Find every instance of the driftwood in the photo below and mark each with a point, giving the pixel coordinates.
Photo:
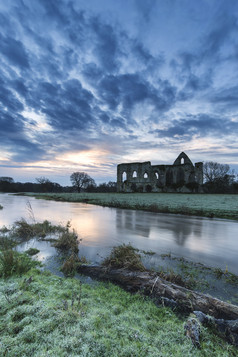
(162, 291)
(228, 329)
(206, 309)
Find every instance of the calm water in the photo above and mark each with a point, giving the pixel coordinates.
(213, 242)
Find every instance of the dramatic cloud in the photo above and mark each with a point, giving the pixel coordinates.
(89, 84)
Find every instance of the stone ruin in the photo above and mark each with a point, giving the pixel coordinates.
(182, 176)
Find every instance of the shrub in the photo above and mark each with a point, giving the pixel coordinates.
(67, 241)
(124, 256)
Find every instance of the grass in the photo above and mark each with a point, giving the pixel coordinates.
(126, 257)
(32, 251)
(25, 230)
(67, 242)
(196, 276)
(44, 315)
(4, 229)
(206, 205)
(69, 267)
(13, 262)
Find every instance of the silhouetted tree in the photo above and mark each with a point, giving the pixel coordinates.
(6, 179)
(6, 184)
(81, 180)
(213, 171)
(218, 178)
(46, 185)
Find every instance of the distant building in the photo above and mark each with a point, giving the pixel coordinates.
(182, 176)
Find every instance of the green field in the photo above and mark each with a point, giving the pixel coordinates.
(51, 316)
(206, 205)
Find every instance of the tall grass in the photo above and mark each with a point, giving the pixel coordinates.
(124, 256)
(25, 230)
(13, 262)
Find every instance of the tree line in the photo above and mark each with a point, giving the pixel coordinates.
(218, 178)
(81, 181)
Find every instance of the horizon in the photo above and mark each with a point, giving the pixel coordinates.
(87, 85)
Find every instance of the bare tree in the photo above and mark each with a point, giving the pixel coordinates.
(45, 184)
(81, 180)
(213, 171)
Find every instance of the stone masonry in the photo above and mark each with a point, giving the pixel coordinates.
(182, 176)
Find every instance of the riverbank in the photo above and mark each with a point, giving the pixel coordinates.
(42, 314)
(204, 205)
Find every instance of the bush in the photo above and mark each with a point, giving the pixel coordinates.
(124, 256)
(67, 241)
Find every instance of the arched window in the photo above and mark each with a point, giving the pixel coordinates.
(145, 175)
(124, 177)
(157, 175)
(182, 161)
(134, 174)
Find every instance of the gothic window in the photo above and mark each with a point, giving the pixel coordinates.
(145, 175)
(157, 175)
(182, 161)
(124, 177)
(134, 174)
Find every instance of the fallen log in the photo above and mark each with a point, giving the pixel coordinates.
(162, 291)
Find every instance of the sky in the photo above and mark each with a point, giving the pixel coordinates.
(88, 84)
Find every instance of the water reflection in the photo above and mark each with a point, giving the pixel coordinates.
(209, 241)
(140, 223)
(134, 221)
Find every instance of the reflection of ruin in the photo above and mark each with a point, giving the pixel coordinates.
(157, 226)
(182, 176)
(134, 221)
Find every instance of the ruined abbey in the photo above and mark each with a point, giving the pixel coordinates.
(182, 176)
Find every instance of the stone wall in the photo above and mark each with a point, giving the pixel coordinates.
(182, 176)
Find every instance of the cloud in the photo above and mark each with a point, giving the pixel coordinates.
(72, 77)
(14, 51)
(228, 96)
(200, 125)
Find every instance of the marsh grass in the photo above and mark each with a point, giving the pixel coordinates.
(25, 230)
(124, 256)
(70, 265)
(4, 229)
(68, 242)
(13, 262)
(176, 278)
(32, 251)
(228, 276)
(52, 316)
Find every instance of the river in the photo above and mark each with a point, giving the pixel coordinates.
(213, 242)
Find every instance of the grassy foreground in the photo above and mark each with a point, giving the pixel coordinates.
(44, 315)
(206, 205)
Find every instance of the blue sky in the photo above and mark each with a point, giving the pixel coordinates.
(85, 85)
